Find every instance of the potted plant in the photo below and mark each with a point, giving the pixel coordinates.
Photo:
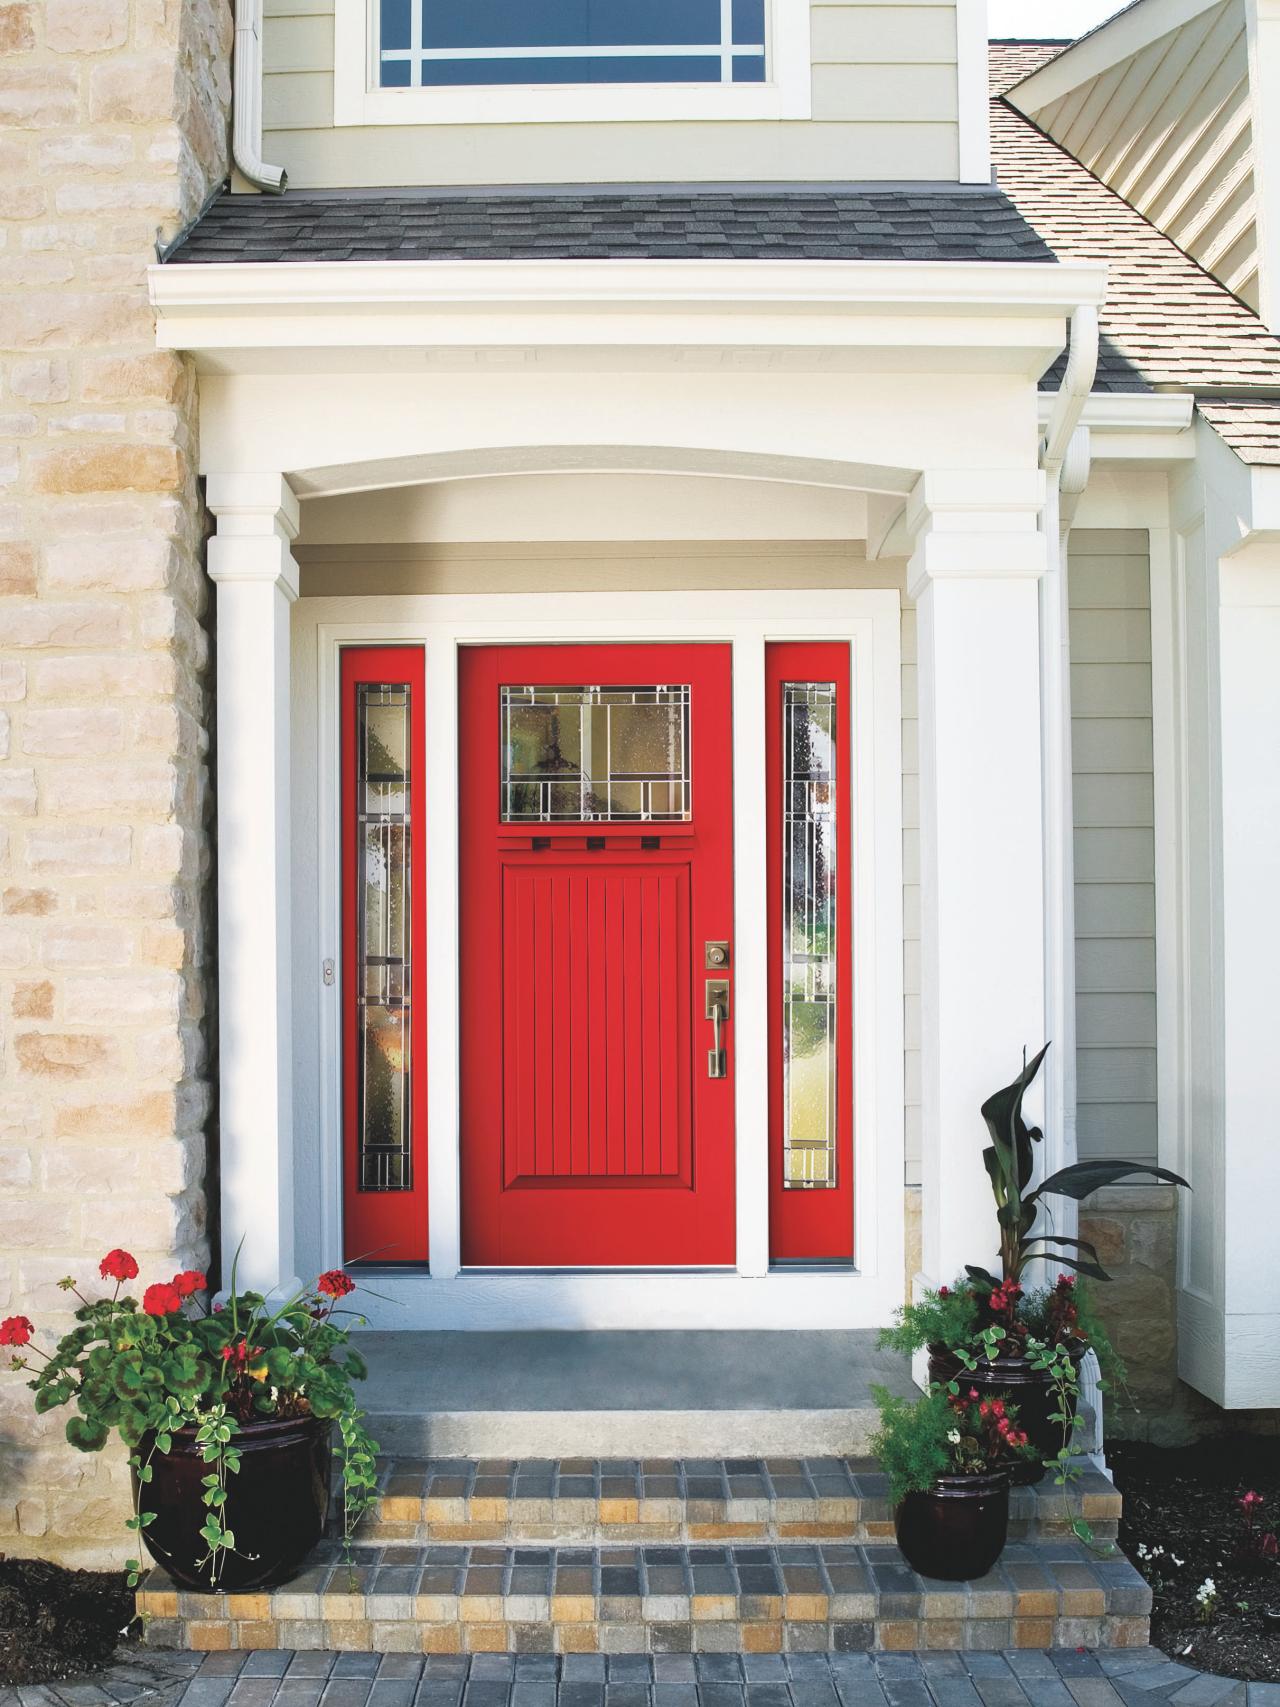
(948, 1458)
(999, 1336)
(227, 1413)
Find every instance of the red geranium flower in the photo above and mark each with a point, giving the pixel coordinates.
(162, 1299)
(189, 1281)
(117, 1265)
(16, 1330)
(335, 1284)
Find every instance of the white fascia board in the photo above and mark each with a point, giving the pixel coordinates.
(1110, 44)
(985, 286)
(337, 304)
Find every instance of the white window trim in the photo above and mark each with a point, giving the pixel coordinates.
(357, 99)
(750, 1295)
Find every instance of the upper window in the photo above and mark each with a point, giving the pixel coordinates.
(470, 43)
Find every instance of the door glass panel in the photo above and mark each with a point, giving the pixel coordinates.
(384, 978)
(595, 754)
(809, 934)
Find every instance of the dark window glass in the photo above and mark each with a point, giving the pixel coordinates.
(748, 22)
(461, 35)
(570, 23)
(395, 23)
(453, 73)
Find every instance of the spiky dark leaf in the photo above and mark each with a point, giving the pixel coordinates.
(1013, 1138)
(1081, 1178)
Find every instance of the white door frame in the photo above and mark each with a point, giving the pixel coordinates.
(748, 1295)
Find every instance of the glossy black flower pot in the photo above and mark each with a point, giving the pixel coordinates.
(958, 1530)
(1029, 1389)
(276, 1504)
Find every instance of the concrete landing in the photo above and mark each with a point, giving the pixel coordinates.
(688, 1394)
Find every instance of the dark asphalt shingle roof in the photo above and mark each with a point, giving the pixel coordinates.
(928, 223)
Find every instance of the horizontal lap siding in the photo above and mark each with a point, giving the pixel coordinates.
(1114, 842)
(884, 106)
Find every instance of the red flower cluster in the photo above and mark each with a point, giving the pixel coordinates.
(118, 1265)
(994, 1411)
(163, 1299)
(239, 1356)
(189, 1281)
(1066, 1281)
(335, 1284)
(1004, 1297)
(16, 1330)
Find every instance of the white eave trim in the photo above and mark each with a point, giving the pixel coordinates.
(369, 289)
(1112, 42)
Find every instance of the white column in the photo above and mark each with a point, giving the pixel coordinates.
(974, 575)
(257, 582)
(1244, 1178)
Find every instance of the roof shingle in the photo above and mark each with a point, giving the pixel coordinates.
(925, 223)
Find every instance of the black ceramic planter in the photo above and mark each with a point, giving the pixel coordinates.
(1014, 1379)
(276, 1504)
(957, 1531)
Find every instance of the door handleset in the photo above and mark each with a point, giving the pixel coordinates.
(717, 1011)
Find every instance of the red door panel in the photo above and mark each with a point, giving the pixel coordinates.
(809, 864)
(384, 940)
(592, 1134)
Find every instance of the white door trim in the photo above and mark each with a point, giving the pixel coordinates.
(750, 1295)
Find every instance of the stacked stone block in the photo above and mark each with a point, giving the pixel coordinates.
(113, 124)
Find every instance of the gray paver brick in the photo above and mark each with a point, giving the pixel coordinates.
(1205, 1691)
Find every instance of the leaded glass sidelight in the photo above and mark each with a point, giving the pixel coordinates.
(809, 934)
(595, 754)
(384, 977)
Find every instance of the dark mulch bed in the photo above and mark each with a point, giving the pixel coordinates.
(55, 1623)
(1185, 1500)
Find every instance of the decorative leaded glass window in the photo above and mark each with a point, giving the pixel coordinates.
(809, 934)
(595, 754)
(384, 937)
(450, 43)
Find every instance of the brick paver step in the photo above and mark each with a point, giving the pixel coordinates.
(690, 1500)
(787, 1597)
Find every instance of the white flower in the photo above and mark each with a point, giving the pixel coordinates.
(1207, 1590)
(954, 1437)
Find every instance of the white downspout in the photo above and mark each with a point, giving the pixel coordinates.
(1064, 457)
(246, 102)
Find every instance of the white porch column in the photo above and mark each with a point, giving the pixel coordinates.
(973, 573)
(257, 582)
(1242, 1177)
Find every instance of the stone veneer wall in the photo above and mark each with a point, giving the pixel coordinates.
(113, 127)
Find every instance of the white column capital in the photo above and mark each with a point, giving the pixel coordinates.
(975, 524)
(258, 520)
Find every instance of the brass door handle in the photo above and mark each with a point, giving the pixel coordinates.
(717, 1011)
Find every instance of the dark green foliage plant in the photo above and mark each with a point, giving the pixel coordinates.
(943, 1433)
(145, 1371)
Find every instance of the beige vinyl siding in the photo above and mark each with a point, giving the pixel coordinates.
(884, 106)
(1114, 842)
(1170, 129)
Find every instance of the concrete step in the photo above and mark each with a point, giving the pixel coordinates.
(593, 1500)
(741, 1598)
(676, 1394)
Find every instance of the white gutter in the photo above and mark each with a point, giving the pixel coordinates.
(1064, 457)
(246, 102)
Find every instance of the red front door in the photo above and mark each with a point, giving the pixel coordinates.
(596, 802)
